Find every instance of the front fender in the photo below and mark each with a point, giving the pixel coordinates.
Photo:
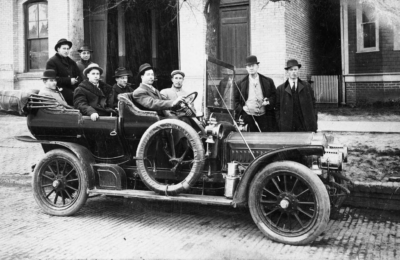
(82, 153)
(255, 166)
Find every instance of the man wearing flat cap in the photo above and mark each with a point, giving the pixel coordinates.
(295, 103)
(122, 85)
(85, 53)
(177, 78)
(93, 97)
(68, 74)
(148, 98)
(255, 99)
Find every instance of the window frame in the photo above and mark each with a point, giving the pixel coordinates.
(360, 32)
(27, 4)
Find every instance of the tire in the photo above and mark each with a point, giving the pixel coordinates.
(159, 137)
(60, 183)
(289, 203)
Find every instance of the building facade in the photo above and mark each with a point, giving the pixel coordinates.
(170, 36)
(371, 55)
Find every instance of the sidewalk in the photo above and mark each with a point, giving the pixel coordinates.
(359, 126)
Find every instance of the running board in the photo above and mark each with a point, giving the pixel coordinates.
(151, 195)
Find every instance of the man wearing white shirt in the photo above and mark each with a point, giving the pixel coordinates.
(295, 103)
(255, 99)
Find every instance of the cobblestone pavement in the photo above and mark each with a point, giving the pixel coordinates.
(16, 156)
(126, 228)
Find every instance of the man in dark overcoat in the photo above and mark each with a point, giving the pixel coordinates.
(122, 86)
(148, 98)
(68, 74)
(86, 58)
(255, 99)
(93, 97)
(295, 103)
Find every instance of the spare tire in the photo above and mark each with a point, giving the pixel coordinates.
(172, 145)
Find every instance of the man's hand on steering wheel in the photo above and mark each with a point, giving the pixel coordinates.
(178, 101)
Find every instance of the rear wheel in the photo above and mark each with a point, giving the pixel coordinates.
(289, 203)
(60, 183)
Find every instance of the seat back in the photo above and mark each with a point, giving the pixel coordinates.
(134, 120)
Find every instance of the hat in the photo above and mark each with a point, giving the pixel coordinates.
(85, 48)
(92, 66)
(251, 60)
(121, 71)
(292, 63)
(61, 42)
(144, 67)
(177, 72)
(49, 74)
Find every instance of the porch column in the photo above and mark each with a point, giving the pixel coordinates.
(345, 46)
(75, 27)
(121, 36)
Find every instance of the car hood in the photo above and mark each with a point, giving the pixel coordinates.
(264, 142)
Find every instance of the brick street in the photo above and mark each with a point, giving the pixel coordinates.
(125, 228)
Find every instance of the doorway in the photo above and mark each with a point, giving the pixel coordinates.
(234, 39)
(150, 31)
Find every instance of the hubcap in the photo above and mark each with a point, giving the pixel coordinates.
(56, 183)
(284, 204)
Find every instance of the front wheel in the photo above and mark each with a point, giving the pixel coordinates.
(289, 203)
(60, 183)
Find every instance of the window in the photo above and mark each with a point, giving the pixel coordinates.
(367, 29)
(37, 35)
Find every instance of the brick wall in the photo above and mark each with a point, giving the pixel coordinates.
(383, 61)
(268, 39)
(370, 92)
(300, 31)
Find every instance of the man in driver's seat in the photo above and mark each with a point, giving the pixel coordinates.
(148, 98)
(177, 78)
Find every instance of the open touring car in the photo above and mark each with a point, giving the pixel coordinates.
(290, 181)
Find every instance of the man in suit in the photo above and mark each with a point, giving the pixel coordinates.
(295, 103)
(68, 73)
(255, 99)
(148, 98)
(122, 86)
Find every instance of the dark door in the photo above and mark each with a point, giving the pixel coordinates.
(96, 30)
(234, 37)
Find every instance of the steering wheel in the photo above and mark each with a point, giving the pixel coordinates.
(188, 101)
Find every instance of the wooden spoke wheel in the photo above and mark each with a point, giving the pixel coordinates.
(289, 203)
(59, 183)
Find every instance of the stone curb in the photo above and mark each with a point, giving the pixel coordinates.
(374, 195)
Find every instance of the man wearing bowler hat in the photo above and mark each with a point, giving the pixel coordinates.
(86, 58)
(50, 88)
(147, 97)
(295, 103)
(255, 99)
(122, 85)
(68, 74)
